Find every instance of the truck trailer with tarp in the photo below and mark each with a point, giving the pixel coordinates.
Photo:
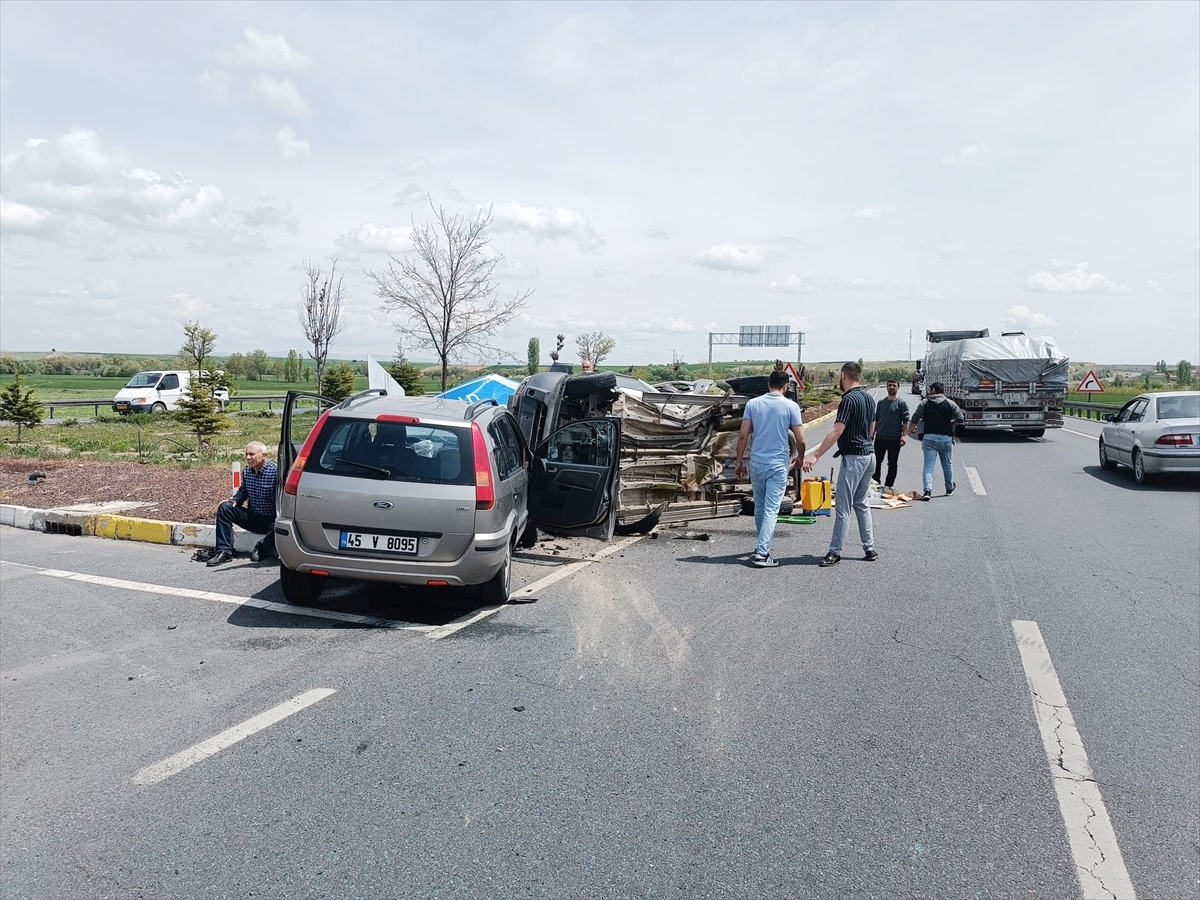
(1012, 382)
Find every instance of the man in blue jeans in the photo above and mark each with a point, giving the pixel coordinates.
(770, 417)
(940, 414)
(257, 492)
(852, 432)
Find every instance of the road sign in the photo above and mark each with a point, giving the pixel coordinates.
(792, 374)
(1090, 384)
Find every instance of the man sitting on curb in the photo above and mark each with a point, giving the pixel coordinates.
(257, 491)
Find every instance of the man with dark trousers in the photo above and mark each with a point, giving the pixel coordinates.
(257, 492)
(891, 421)
(852, 432)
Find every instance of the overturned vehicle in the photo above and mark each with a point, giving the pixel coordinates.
(677, 449)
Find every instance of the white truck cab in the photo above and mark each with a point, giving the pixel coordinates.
(157, 392)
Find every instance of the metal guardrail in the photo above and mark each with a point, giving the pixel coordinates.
(1085, 410)
(270, 400)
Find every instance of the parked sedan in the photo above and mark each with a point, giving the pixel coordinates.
(1154, 433)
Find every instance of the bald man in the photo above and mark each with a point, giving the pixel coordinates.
(251, 507)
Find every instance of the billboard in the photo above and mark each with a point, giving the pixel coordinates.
(765, 336)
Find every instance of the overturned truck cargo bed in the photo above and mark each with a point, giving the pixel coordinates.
(677, 449)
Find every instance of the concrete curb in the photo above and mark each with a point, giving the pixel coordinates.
(820, 420)
(121, 528)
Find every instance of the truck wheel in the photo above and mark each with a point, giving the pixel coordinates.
(300, 588)
(588, 383)
(158, 408)
(496, 591)
(1140, 475)
(1105, 462)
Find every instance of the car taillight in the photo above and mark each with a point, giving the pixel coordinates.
(1175, 440)
(485, 486)
(293, 478)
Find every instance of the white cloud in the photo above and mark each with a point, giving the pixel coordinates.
(17, 218)
(601, 272)
(265, 51)
(661, 325)
(410, 195)
(415, 166)
(970, 155)
(657, 234)
(1023, 315)
(620, 288)
(144, 250)
(813, 284)
(75, 186)
(546, 223)
(507, 268)
(874, 211)
(731, 258)
(1154, 287)
(290, 146)
(279, 93)
(372, 238)
(944, 249)
(1071, 281)
(800, 323)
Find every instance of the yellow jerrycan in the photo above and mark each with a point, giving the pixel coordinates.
(816, 496)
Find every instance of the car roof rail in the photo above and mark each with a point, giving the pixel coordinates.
(479, 405)
(345, 404)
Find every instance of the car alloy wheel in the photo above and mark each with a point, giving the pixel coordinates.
(1139, 467)
(496, 591)
(1105, 462)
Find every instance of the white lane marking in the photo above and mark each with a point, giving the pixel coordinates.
(271, 605)
(976, 481)
(441, 631)
(1081, 434)
(173, 765)
(1098, 862)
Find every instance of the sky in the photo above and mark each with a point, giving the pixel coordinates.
(656, 171)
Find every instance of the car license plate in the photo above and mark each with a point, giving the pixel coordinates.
(1014, 415)
(122, 406)
(388, 543)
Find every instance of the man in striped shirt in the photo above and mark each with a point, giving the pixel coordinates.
(852, 432)
(257, 492)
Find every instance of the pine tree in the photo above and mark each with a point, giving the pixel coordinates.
(199, 408)
(19, 407)
(338, 381)
(533, 357)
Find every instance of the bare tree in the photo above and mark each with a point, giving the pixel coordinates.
(445, 292)
(320, 312)
(594, 346)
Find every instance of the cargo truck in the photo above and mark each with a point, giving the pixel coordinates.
(1012, 382)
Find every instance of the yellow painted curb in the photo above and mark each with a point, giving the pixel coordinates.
(124, 528)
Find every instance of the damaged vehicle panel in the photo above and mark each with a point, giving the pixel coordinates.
(677, 450)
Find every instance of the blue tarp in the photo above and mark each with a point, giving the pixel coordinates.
(495, 387)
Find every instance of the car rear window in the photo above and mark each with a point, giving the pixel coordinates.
(394, 451)
(1179, 407)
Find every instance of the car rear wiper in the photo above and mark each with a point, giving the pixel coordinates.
(378, 470)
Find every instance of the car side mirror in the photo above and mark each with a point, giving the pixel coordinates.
(1109, 417)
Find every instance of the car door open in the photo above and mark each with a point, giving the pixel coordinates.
(572, 479)
(300, 413)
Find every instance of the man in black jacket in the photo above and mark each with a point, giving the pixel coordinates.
(940, 414)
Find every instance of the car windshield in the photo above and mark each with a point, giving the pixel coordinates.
(394, 451)
(1186, 407)
(633, 384)
(144, 380)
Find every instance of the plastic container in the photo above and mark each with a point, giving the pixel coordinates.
(816, 496)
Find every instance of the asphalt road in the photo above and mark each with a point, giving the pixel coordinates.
(665, 722)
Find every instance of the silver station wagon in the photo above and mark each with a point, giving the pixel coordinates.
(425, 491)
(1154, 433)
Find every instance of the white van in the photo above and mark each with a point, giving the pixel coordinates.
(157, 392)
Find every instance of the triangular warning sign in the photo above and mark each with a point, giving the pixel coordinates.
(1090, 384)
(792, 374)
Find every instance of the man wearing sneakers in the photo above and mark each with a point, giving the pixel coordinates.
(770, 417)
(852, 432)
(940, 414)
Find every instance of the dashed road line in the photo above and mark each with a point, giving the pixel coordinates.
(1098, 861)
(976, 481)
(1081, 434)
(441, 631)
(272, 606)
(173, 765)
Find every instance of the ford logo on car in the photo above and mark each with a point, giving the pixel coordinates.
(382, 504)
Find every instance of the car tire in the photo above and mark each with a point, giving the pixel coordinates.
(158, 408)
(1106, 463)
(750, 385)
(300, 588)
(528, 537)
(1140, 475)
(786, 506)
(496, 591)
(589, 383)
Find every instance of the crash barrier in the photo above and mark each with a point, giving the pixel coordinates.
(1085, 410)
(107, 404)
